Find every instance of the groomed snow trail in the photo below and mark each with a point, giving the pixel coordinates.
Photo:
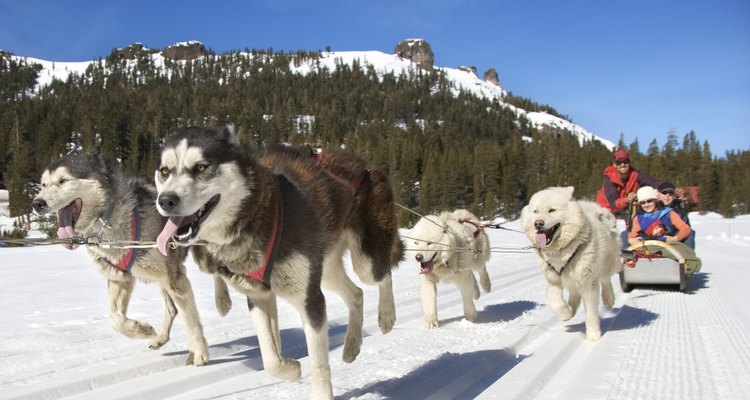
(657, 343)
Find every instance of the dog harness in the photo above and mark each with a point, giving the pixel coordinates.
(479, 229)
(356, 183)
(263, 273)
(562, 268)
(126, 262)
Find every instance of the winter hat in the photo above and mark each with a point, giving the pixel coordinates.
(666, 186)
(621, 154)
(646, 193)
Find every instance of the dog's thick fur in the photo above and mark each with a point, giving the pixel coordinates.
(94, 199)
(209, 173)
(577, 247)
(450, 247)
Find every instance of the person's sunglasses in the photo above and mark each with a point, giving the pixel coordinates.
(621, 162)
(647, 201)
(668, 193)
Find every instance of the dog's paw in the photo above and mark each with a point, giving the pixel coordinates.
(386, 320)
(350, 355)
(609, 303)
(140, 330)
(158, 341)
(593, 334)
(352, 346)
(198, 357)
(431, 323)
(223, 305)
(566, 313)
(471, 317)
(288, 370)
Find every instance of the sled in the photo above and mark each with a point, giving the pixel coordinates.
(652, 262)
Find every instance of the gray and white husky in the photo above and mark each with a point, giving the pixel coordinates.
(93, 198)
(278, 227)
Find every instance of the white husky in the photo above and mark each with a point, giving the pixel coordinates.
(450, 247)
(577, 247)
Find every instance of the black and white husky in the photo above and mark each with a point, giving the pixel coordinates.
(93, 198)
(279, 227)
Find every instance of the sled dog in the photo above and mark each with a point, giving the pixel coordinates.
(577, 247)
(93, 199)
(277, 227)
(450, 247)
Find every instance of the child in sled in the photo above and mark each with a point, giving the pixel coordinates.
(653, 221)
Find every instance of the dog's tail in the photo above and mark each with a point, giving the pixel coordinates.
(382, 211)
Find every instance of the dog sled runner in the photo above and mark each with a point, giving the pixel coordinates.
(652, 262)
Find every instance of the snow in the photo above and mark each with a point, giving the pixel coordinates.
(55, 340)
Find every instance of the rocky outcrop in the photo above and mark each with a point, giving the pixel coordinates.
(418, 51)
(470, 69)
(491, 76)
(185, 51)
(133, 52)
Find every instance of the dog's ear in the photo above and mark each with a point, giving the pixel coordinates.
(447, 254)
(569, 190)
(227, 131)
(457, 238)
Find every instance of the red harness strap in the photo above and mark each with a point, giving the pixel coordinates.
(269, 255)
(356, 183)
(127, 261)
(479, 229)
(638, 254)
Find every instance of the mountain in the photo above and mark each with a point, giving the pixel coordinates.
(410, 56)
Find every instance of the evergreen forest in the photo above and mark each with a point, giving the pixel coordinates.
(442, 150)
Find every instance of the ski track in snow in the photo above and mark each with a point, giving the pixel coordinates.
(654, 345)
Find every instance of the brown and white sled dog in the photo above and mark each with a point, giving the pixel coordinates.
(93, 198)
(450, 247)
(278, 228)
(577, 247)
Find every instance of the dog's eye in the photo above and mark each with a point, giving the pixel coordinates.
(164, 171)
(63, 180)
(552, 210)
(201, 167)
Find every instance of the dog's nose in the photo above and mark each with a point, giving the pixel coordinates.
(40, 206)
(419, 257)
(538, 224)
(169, 201)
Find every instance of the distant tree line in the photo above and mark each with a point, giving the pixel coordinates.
(441, 150)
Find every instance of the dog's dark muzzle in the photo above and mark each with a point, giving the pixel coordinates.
(40, 206)
(169, 202)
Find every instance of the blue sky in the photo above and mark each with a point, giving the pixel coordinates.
(637, 68)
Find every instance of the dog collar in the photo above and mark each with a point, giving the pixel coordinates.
(126, 262)
(263, 273)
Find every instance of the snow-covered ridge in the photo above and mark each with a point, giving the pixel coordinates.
(382, 63)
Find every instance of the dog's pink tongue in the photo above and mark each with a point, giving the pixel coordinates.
(541, 239)
(66, 233)
(427, 267)
(170, 228)
(65, 226)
